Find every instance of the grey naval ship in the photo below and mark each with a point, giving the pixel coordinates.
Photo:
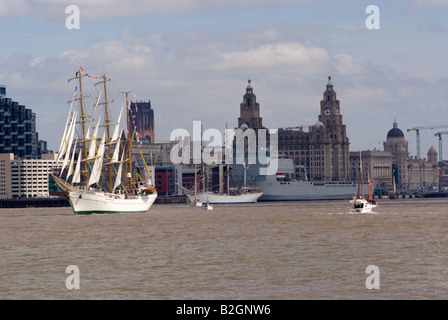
(283, 186)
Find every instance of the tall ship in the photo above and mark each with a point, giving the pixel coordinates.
(95, 155)
(243, 194)
(234, 196)
(240, 194)
(282, 186)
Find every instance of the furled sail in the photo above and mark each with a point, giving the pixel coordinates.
(69, 141)
(77, 174)
(70, 168)
(95, 175)
(63, 145)
(92, 148)
(115, 138)
(118, 178)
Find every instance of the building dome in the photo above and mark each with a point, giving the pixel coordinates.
(319, 124)
(395, 132)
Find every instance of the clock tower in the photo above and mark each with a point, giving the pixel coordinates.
(330, 114)
(336, 143)
(250, 110)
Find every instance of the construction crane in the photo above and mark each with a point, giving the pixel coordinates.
(439, 134)
(417, 131)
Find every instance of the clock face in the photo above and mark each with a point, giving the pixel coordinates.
(327, 112)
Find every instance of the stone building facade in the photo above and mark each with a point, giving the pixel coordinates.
(324, 148)
(410, 173)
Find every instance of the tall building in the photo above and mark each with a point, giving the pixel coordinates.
(142, 116)
(17, 129)
(25, 178)
(324, 149)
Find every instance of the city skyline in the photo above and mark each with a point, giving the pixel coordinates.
(192, 60)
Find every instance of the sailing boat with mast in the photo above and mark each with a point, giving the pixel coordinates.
(232, 195)
(360, 203)
(393, 195)
(96, 184)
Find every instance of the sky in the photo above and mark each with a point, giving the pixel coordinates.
(192, 59)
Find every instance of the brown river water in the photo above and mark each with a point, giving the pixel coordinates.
(266, 250)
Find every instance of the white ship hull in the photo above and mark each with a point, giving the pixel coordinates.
(362, 206)
(216, 198)
(89, 202)
(366, 209)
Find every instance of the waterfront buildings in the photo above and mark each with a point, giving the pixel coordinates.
(395, 165)
(18, 129)
(376, 165)
(142, 116)
(410, 173)
(323, 149)
(25, 178)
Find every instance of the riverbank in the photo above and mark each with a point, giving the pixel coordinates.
(34, 202)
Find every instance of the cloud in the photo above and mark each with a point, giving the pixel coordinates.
(433, 28)
(345, 66)
(201, 75)
(287, 55)
(14, 8)
(54, 10)
(429, 4)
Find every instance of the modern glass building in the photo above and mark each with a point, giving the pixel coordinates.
(17, 129)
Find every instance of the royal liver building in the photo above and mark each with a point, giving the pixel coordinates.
(324, 149)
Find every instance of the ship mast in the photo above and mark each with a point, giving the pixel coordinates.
(79, 75)
(129, 142)
(106, 109)
(360, 166)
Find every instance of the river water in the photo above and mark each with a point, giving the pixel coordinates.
(266, 250)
